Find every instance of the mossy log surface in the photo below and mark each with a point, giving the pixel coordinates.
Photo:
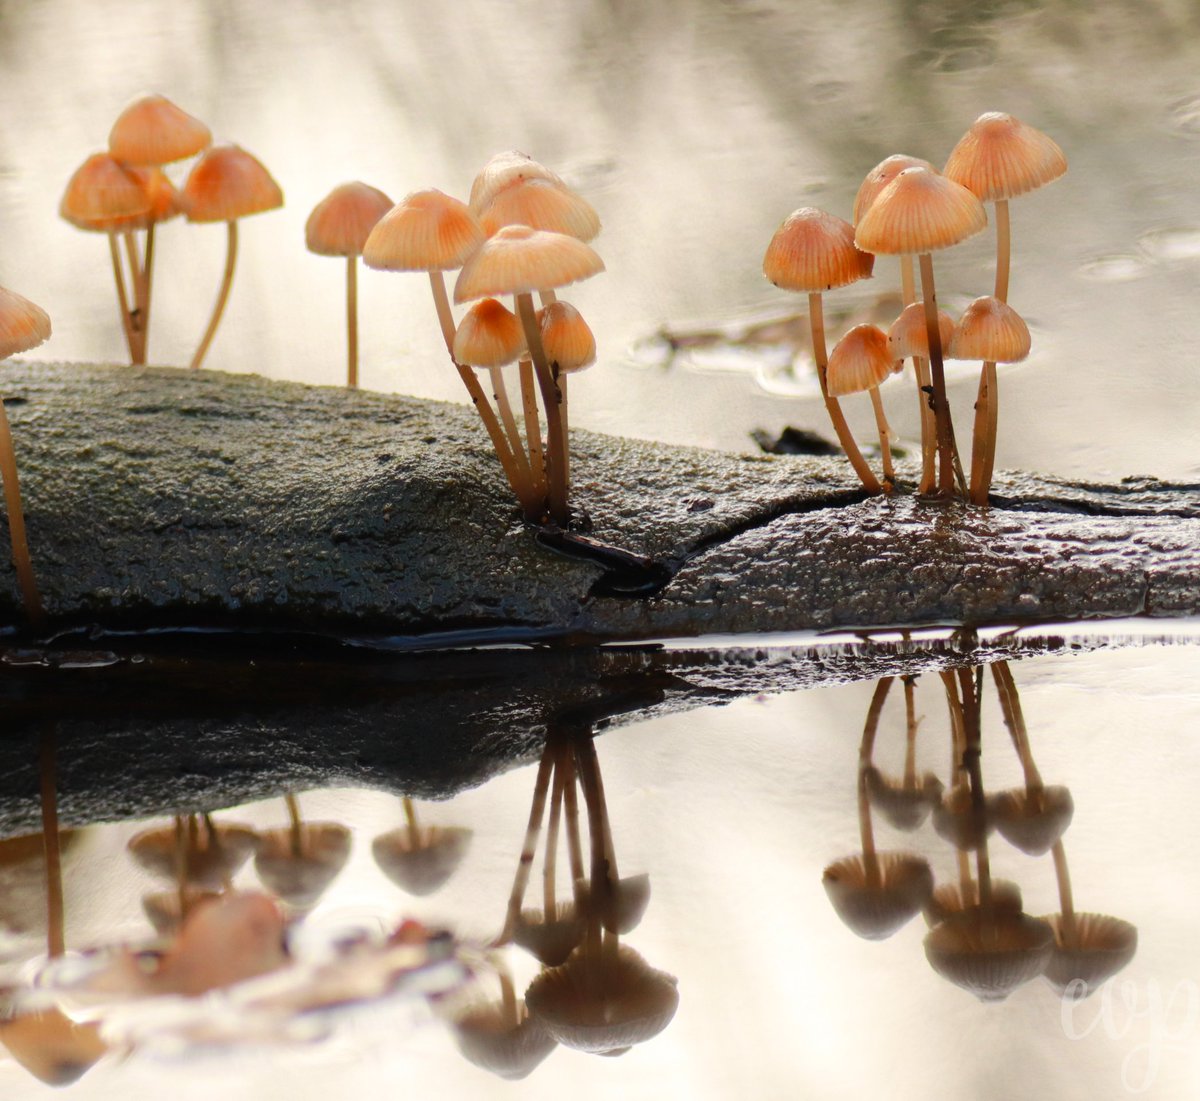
(159, 497)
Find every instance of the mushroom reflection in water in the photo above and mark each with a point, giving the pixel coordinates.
(502, 1037)
(907, 800)
(988, 949)
(1088, 948)
(1034, 819)
(51, 1046)
(959, 817)
(298, 863)
(420, 859)
(874, 893)
(605, 998)
(194, 851)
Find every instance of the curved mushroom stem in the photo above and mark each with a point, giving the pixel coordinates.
(550, 853)
(530, 507)
(816, 322)
(22, 563)
(137, 319)
(52, 847)
(941, 407)
(500, 394)
(510, 1011)
(908, 295)
(1066, 901)
(885, 440)
(865, 749)
(1014, 719)
(557, 495)
(528, 849)
(867, 746)
(910, 734)
(352, 322)
(122, 296)
(222, 297)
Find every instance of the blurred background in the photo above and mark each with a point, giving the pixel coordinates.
(694, 127)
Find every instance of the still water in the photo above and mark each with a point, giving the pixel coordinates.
(694, 128)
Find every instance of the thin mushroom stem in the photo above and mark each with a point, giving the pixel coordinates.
(22, 563)
(181, 866)
(557, 495)
(137, 318)
(561, 379)
(296, 823)
(528, 849)
(352, 322)
(1066, 900)
(885, 438)
(122, 295)
(816, 322)
(529, 506)
(571, 806)
(867, 746)
(550, 853)
(410, 821)
(1014, 719)
(865, 749)
(1003, 249)
(910, 734)
(533, 429)
(147, 282)
(52, 847)
(908, 295)
(500, 394)
(222, 296)
(941, 407)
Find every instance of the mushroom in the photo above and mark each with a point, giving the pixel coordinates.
(905, 802)
(298, 863)
(194, 852)
(518, 260)
(226, 184)
(540, 203)
(103, 196)
(570, 346)
(920, 212)
(432, 232)
(22, 326)
(999, 158)
(52, 1047)
(874, 182)
(420, 859)
(339, 225)
(964, 815)
(862, 360)
(991, 331)
(501, 1037)
(814, 252)
(501, 171)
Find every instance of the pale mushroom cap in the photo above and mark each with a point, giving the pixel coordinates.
(421, 869)
(990, 959)
(566, 337)
(905, 807)
(425, 231)
(551, 939)
(541, 204)
(102, 195)
(882, 175)
(859, 361)
(1001, 157)
(51, 1046)
(1101, 946)
(489, 335)
(340, 223)
(503, 169)
(990, 330)
(209, 862)
(520, 260)
(949, 900)
(813, 251)
(301, 879)
(23, 325)
(605, 1004)
(875, 908)
(163, 197)
(228, 183)
(909, 335)
(152, 130)
(956, 820)
(920, 211)
(488, 1039)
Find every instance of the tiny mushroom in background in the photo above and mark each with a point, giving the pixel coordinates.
(917, 213)
(813, 252)
(339, 225)
(226, 184)
(419, 859)
(298, 862)
(22, 326)
(905, 801)
(518, 260)
(862, 360)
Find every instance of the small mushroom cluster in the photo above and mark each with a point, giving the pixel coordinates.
(979, 938)
(906, 208)
(523, 232)
(125, 193)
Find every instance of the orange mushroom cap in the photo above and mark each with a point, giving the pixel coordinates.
(882, 175)
(920, 211)
(814, 251)
(228, 183)
(23, 325)
(162, 195)
(504, 169)
(1001, 157)
(489, 335)
(519, 260)
(152, 130)
(103, 195)
(909, 335)
(859, 361)
(990, 330)
(340, 223)
(541, 204)
(425, 231)
(566, 337)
